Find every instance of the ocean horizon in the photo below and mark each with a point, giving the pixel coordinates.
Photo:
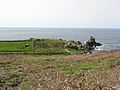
(109, 37)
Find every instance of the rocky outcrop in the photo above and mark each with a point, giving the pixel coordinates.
(91, 44)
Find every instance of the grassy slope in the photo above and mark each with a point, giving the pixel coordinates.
(49, 45)
(75, 72)
(15, 46)
(43, 46)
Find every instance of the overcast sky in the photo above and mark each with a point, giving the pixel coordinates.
(60, 13)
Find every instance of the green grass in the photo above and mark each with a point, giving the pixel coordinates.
(40, 46)
(13, 79)
(15, 46)
(52, 46)
(74, 67)
(49, 45)
(73, 51)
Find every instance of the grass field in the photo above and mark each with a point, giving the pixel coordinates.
(49, 45)
(40, 46)
(98, 71)
(15, 46)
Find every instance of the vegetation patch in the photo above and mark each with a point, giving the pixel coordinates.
(49, 45)
(37, 46)
(11, 81)
(15, 46)
(74, 67)
(60, 72)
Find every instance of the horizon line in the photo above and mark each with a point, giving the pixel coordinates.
(64, 27)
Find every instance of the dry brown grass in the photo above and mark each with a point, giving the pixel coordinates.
(29, 72)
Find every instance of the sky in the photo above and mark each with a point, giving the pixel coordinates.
(60, 13)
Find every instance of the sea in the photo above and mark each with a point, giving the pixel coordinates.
(109, 37)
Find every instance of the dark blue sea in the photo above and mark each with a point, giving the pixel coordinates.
(109, 37)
